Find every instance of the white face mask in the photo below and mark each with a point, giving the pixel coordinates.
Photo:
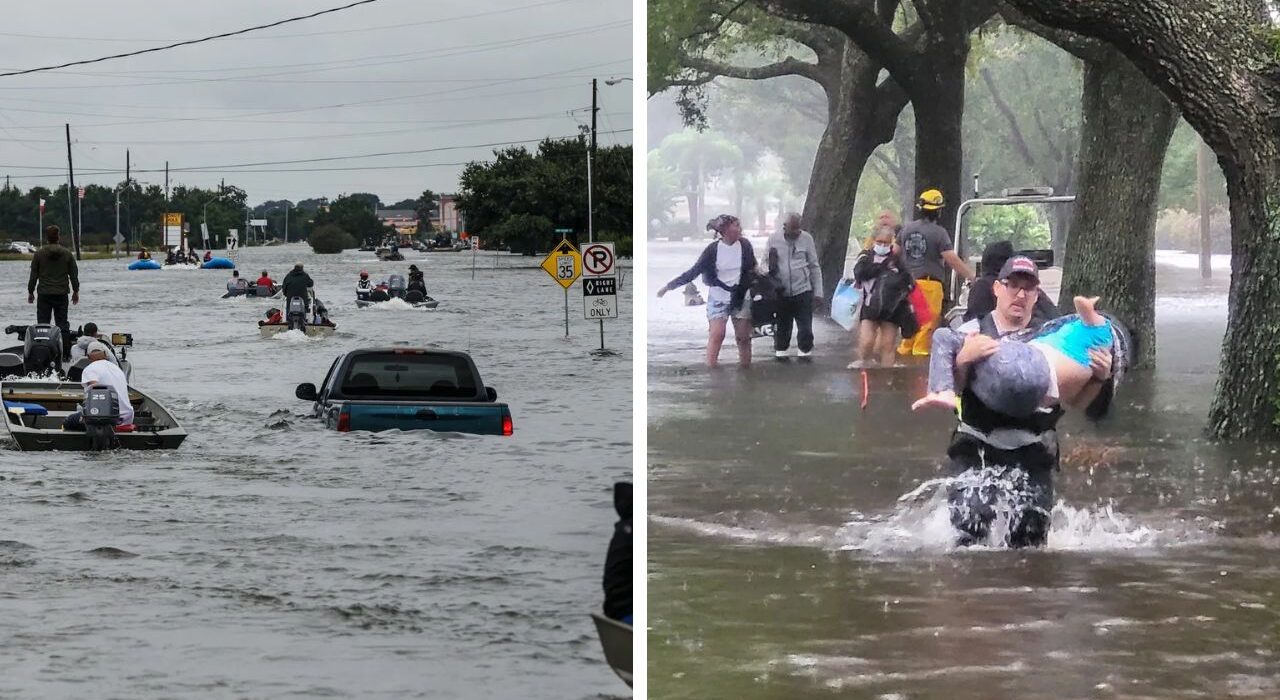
(881, 249)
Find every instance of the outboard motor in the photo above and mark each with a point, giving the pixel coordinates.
(42, 349)
(297, 314)
(100, 414)
(395, 286)
(76, 371)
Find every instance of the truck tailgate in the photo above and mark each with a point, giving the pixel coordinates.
(462, 417)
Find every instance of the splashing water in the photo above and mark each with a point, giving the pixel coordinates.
(921, 523)
(295, 336)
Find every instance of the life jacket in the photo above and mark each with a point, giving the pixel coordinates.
(265, 282)
(999, 431)
(364, 285)
(277, 317)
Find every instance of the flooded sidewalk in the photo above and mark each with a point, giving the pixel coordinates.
(799, 546)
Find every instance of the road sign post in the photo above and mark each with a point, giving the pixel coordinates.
(564, 264)
(599, 284)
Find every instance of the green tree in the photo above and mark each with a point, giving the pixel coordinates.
(352, 214)
(329, 239)
(697, 157)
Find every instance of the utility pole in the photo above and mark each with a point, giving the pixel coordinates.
(286, 220)
(128, 244)
(1202, 200)
(71, 178)
(591, 151)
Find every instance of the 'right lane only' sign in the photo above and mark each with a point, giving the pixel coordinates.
(599, 282)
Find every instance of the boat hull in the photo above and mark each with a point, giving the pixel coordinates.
(274, 329)
(616, 640)
(34, 432)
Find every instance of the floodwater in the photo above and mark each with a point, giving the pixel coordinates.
(270, 558)
(799, 547)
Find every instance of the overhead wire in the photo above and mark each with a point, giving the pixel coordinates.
(188, 42)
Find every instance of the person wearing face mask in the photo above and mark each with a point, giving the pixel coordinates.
(793, 264)
(885, 284)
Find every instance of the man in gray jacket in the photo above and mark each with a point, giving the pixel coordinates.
(793, 264)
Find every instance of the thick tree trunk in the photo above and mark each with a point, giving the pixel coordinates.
(860, 117)
(1209, 59)
(1125, 132)
(939, 117)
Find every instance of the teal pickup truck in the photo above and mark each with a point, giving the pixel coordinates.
(407, 389)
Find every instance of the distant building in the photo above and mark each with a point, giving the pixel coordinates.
(450, 216)
(404, 221)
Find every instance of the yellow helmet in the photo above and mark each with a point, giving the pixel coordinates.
(931, 200)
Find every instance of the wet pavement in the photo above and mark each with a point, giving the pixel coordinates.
(270, 558)
(800, 547)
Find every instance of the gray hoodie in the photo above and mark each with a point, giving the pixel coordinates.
(795, 264)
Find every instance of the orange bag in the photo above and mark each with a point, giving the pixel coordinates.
(920, 306)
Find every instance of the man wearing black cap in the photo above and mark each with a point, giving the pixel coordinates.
(1003, 465)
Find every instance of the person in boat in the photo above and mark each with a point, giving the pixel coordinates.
(298, 284)
(102, 372)
(89, 334)
(237, 284)
(192, 258)
(1002, 461)
(274, 317)
(416, 280)
(364, 285)
(171, 257)
(266, 281)
(320, 315)
(54, 276)
(617, 563)
(144, 254)
(208, 255)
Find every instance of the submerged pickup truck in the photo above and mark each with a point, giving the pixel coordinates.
(407, 389)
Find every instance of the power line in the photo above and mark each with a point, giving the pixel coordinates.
(446, 124)
(433, 22)
(188, 42)
(232, 168)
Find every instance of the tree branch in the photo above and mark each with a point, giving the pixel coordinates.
(1049, 139)
(788, 66)
(724, 17)
(1081, 47)
(1020, 143)
(859, 21)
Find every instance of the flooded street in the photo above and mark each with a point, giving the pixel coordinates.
(800, 547)
(270, 558)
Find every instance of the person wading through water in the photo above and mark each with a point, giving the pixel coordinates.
(926, 247)
(728, 267)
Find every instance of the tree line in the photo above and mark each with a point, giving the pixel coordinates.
(142, 209)
(517, 200)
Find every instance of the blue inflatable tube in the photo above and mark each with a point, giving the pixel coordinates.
(144, 265)
(218, 264)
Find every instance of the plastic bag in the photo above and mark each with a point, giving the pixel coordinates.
(920, 306)
(845, 304)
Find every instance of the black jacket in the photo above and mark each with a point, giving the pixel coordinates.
(617, 564)
(706, 266)
(887, 300)
(296, 284)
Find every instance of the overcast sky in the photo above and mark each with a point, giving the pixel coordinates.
(394, 75)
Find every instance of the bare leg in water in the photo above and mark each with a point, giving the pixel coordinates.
(888, 343)
(715, 338)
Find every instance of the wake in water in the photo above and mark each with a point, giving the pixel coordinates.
(921, 523)
(295, 336)
(396, 304)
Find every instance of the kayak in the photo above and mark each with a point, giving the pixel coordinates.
(144, 265)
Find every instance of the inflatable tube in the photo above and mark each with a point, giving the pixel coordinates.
(144, 265)
(218, 264)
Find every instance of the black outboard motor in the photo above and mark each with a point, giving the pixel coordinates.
(42, 349)
(395, 286)
(101, 413)
(297, 314)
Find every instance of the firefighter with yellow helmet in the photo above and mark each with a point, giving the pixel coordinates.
(925, 247)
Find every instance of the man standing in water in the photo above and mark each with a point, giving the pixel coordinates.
(925, 247)
(793, 262)
(54, 269)
(999, 461)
